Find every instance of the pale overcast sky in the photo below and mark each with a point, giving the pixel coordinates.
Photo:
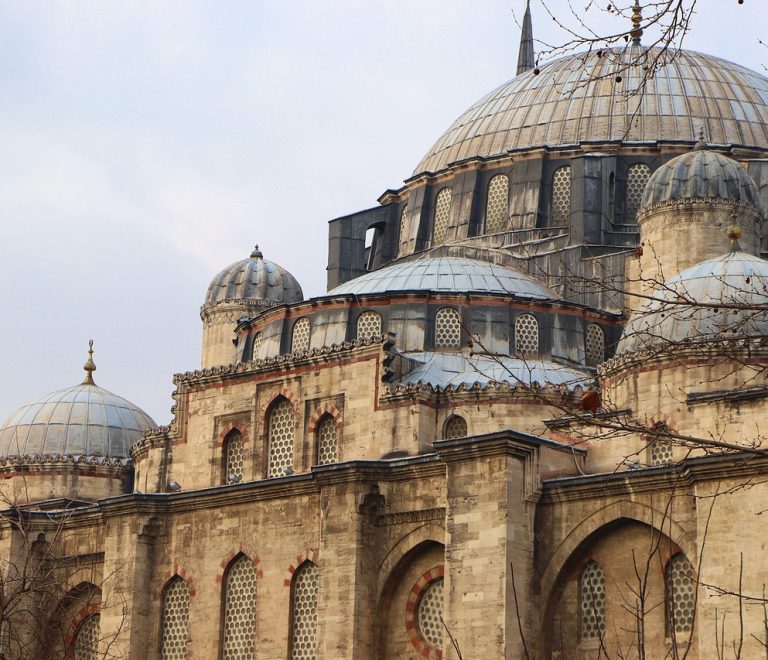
(146, 144)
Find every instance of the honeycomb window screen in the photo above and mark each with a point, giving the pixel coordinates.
(428, 612)
(637, 176)
(497, 205)
(282, 422)
(87, 640)
(661, 452)
(592, 596)
(447, 328)
(234, 450)
(302, 331)
(681, 595)
(595, 344)
(442, 216)
(368, 325)
(455, 427)
(175, 622)
(327, 441)
(239, 610)
(403, 236)
(304, 615)
(256, 346)
(561, 197)
(527, 335)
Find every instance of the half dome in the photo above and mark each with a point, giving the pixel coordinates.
(579, 99)
(447, 275)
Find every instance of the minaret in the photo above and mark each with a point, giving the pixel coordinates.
(525, 58)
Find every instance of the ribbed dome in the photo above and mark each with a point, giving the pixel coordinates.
(254, 278)
(724, 297)
(447, 274)
(84, 420)
(701, 173)
(578, 99)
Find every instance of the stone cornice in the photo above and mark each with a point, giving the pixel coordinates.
(59, 460)
(726, 205)
(509, 443)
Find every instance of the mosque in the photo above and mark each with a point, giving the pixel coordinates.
(525, 420)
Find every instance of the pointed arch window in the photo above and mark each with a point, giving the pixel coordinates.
(326, 433)
(447, 328)
(304, 588)
(429, 611)
(561, 197)
(302, 332)
(681, 595)
(637, 176)
(87, 638)
(282, 422)
(455, 427)
(175, 621)
(256, 346)
(527, 335)
(595, 344)
(442, 216)
(403, 235)
(234, 457)
(592, 597)
(497, 204)
(368, 325)
(239, 633)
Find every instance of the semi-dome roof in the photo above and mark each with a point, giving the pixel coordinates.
(724, 297)
(578, 99)
(449, 275)
(254, 278)
(701, 173)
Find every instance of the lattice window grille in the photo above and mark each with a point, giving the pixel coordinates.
(447, 328)
(595, 345)
(561, 197)
(281, 430)
(235, 449)
(300, 336)
(592, 601)
(368, 325)
(456, 427)
(681, 594)
(256, 346)
(175, 620)
(637, 176)
(240, 611)
(527, 335)
(442, 215)
(428, 613)
(661, 452)
(304, 627)
(403, 237)
(327, 441)
(497, 206)
(87, 640)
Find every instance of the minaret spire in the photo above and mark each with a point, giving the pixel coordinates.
(525, 58)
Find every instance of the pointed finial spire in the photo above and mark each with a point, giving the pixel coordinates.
(637, 20)
(256, 254)
(734, 231)
(525, 58)
(701, 143)
(89, 366)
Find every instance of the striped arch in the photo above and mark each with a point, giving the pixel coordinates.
(277, 393)
(306, 555)
(238, 425)
(242, 550)
(183, 574)
(327, 409)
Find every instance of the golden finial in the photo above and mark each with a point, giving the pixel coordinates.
(734, 231)
(637, 20)
(89, 366)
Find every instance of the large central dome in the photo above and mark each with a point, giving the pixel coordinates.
(580, 99)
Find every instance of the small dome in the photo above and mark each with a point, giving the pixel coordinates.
(254, 278)
(449, 275)
(699, 174)
(721, 298)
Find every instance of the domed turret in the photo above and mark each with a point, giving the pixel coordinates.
(244, 288)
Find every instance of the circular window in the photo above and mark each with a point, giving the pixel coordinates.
(423, 615)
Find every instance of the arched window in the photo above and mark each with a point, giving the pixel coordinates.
(234, 455)
(87, 638)
(239, 634)
(368, 325)
(300, 337)
(175, 621)
(455, 427)
(527, 335)
(595, 344)
(306, 581)
(326, 434)
(282, 421)
(256, 346)
(429, 611)
(403, 235)
(637, 176)
(561, 197)
(681, 595)
(592, 597)
(497, 205)
(442, 216)
(447, 328)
